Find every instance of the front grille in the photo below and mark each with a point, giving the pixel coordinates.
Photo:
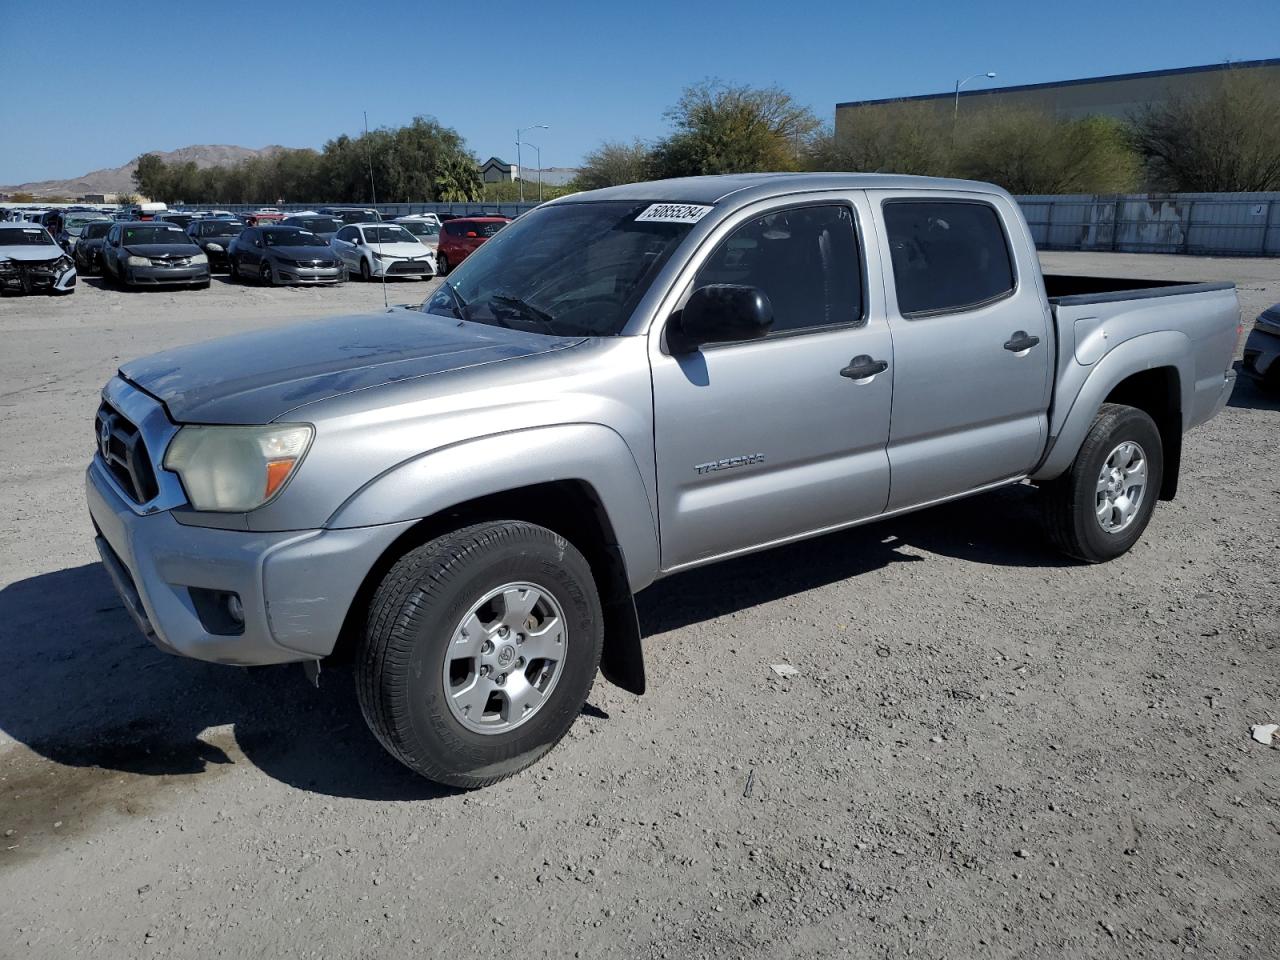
(408, 266)
(124, 454)
(30, 274)
(171, 262)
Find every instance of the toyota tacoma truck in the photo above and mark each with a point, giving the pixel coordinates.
(623, 384)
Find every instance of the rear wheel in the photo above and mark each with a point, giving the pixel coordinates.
(232, 270)
(1099, 508)
(442, 264)
(479, 651)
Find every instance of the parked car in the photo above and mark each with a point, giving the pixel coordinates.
(382, 250)
(178, 219)
(87, 251)
(319, 224)
(153, 253)
(214, 235)
(73, 225)
(628, 383)
(353, 214)
(461, 237)
(263, 218)
(427, 231)
(31, 262)
(146, 211)
(281, 255)
(1262, 349)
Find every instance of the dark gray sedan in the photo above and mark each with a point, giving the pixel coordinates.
(88, 249)
(277, 254)
(321, 226)
(151, 253)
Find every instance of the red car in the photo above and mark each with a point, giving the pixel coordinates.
(460, 237)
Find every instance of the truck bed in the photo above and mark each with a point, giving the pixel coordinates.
(1069, 290)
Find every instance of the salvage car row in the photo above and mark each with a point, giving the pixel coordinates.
(175, 248)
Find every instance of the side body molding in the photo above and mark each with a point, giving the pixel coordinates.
(444, 477)
(1081, 390)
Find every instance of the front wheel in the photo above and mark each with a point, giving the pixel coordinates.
(1098, 509)
(233, 271)
(266, 276)
(365, 273)
(479, 651)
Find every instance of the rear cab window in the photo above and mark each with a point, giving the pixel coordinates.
(948, 255)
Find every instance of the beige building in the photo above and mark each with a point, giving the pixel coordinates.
(1119, 96)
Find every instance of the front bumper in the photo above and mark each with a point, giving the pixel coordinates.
(164, 276)
(295, 587)
(37, 278)
(404, 268)
(1262, 355)
(286, 273)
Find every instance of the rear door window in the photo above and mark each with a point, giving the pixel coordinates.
(948, 255)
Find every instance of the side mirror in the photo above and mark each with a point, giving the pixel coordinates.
(722, 313)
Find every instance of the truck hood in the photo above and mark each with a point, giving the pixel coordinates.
(259, 377)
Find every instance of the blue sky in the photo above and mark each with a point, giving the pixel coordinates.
(92, 84)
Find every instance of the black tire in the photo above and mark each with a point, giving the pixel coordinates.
(266, 276)
(366, 274)
(233, 271)
(442, 265)
(411, 622)
(1070, 501)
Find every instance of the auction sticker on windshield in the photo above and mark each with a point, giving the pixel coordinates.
(673, 213)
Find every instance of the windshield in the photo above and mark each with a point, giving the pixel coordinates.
(421, 228)
(572, 269)
(181, 219)
(75, 224)
(289, 237)
(358, 216)
(24, 237)
(318, 224)
(92, 231)
(373, 235)
(221, 228)
(485, 229)
(160, 233)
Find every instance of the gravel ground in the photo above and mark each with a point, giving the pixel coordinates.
(986, 751)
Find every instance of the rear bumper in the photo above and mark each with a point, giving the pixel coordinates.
(295, 587)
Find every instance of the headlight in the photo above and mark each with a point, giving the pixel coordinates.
(235, 469)
(377, 255)
(216, 247)
(200, 258)
(138, 261)
(8, 266)
(62, 263)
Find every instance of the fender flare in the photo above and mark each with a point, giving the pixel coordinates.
(1165, 348)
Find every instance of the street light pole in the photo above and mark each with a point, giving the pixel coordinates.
(519, 133)
(990, 75)
(538, 150)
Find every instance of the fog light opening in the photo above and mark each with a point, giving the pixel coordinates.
(235, 609)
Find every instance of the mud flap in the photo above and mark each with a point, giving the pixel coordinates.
(622, 661)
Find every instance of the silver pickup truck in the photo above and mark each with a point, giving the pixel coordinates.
(621, 385)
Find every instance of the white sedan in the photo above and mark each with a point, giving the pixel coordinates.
(30, 261)
(382, 250)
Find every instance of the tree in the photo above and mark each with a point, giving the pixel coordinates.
(733, 128)
(912, 138)
(1222, 140)
(151, 175)
(613, 163)
(1028, 151)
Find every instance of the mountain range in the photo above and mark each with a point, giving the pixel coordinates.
(120, 179)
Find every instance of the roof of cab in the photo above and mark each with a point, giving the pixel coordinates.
(754, 186)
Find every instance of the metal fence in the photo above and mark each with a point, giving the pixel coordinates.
(1216, 224)
(390, 210)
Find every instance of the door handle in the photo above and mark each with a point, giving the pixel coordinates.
(862, 366)
(1020, 341)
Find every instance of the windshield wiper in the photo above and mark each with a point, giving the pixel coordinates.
(460, 304)
(527, 310)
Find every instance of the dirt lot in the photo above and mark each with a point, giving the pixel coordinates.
(986, 752)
